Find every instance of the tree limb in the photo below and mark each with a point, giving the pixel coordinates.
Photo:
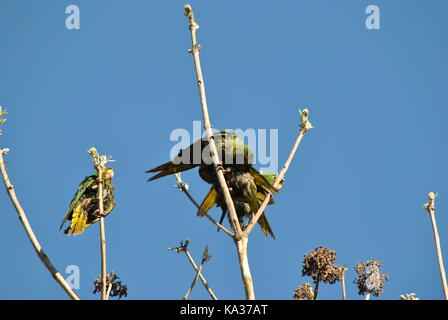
(304, 127)
(183, 248)
(430, 207)
(100, 162)
(207, 125)
(29, 231)
(181, 185)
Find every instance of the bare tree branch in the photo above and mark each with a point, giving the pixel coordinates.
(430, 207)
(305, 126)
(207, 125)
(181, 185)
(29, 231)
(183, 248)
(100, 162)
(344, 295)
(240, 242)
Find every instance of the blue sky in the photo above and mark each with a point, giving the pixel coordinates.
(124, 81)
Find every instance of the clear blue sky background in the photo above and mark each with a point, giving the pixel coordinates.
(124, 81)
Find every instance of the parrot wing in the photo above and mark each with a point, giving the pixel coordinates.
(262, 182)
(208, 202)
(169, 168)
(83, 186)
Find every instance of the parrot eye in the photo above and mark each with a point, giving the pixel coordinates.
(180, 153)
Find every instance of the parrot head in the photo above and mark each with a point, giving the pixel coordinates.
(108, 173)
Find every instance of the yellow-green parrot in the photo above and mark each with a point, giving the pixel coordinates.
(84, 207)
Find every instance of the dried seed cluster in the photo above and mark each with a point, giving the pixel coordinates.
(370, 279)
(117, 288)
(304, 292)
(319, 265)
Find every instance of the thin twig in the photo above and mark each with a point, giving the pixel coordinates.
(183, 248)
(100, 163)
(316, 288)
(430, 207)
(29, 231)
(181, 185)
(277, 182)
(198, 272)
(109, 289)
(344, 295)
(207, 125)
(102, 233)
(204, 282)
(239, 239)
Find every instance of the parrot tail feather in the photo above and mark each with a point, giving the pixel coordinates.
(265, 226)
(169, 168)
(209, 202)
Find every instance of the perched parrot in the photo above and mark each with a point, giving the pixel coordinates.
(84, 207)
(242, 178)
(247, 191)
(231, 151)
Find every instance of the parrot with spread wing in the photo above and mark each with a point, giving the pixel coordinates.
(231, 150)
(84, 207)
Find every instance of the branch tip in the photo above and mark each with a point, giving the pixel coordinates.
(430, 205)
(305, 124)
(188, 12)
(99, 161)
(2, 120)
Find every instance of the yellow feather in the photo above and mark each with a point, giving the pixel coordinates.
(79, 221)
(209, 201)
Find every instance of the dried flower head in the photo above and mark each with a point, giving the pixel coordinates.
(304, 292)
(370, 279)
(115, 287)
(319, 265)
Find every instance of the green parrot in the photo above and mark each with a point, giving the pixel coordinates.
(84, 207)
(242, 178)
(247, 191)
(231, 150)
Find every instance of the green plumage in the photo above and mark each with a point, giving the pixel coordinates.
(231, 151)
(84, 207)
(248, 191)
(247, 186)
